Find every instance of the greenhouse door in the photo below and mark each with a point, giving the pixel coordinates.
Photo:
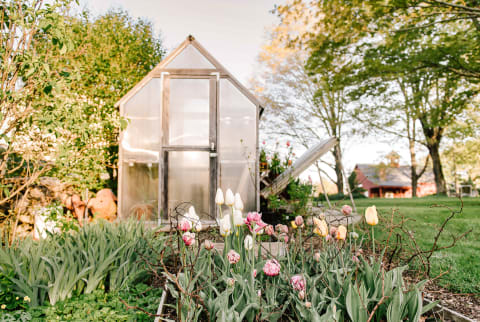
(189, 144)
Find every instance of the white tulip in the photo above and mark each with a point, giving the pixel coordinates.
(238, 218)
(225, 226)
(229, 198)
(219, 197)
(248, 242)
(238, 202)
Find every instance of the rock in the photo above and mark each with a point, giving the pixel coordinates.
(37, 193)
(26, 219)
(22, 231)
(103, 205)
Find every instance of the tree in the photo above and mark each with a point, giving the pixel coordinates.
(360, 30)
(112, 53)
(33, 42)
(299, 105)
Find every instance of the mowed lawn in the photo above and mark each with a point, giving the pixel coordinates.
(463, 260)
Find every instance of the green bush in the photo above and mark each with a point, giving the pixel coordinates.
(98, 306)
(98, 256)
(340, 196)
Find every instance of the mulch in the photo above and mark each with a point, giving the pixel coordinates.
(466, 304)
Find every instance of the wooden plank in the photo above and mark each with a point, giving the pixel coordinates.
(305, 161)
(188, 72)
(185, 148)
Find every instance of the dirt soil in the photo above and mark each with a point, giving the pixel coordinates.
(466, 304)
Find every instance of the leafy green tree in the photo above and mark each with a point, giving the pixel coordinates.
(33, 42)
(112, 53)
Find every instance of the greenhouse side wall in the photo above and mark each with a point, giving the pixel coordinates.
(238, 143)
(139, 153)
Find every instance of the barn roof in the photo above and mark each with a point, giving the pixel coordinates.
(393, 176)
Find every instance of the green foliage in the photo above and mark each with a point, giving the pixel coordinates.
(98, 256)
(64, 222)
(112, 53)
(99, 306)
(423, 219)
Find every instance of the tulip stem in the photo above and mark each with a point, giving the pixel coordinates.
(373, 241)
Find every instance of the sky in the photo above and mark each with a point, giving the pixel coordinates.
(233, 32)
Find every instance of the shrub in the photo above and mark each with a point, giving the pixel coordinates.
(98, 256)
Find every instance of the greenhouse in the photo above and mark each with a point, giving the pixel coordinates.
(192, 128)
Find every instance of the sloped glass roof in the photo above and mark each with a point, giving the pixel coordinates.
(190, 58)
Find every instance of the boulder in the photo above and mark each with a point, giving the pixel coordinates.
(26, 219)
(103, 205)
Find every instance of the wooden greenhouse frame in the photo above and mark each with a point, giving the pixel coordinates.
(165, 75)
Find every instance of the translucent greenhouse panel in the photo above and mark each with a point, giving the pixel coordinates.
(141, 138)
(240, 177)
(189, 112)
(189, 179)
(190, 57)
(140, 191)
(146, 102)
(237, 143)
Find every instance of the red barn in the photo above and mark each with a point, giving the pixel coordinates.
(392, 181)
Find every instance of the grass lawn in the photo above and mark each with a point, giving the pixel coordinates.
(463, 260)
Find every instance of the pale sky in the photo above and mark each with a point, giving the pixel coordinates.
(233, 32)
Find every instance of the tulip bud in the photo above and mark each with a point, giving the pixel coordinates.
(248, 242)
(229, 198)
(301, 295)
(238, 204)
(308, 304)
(299, 221)
(371, 216)
(269, 230)
(238, 218)
(225, 226)
(316, 257)
(341, 232)
(347, 210)
(230, 282)
(219, 200)
(208, 245)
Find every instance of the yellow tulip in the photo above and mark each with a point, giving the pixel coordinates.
(321, 227)
(341, 232)
(371, 216)
(294, 226)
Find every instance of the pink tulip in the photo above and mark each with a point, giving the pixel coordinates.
(254, 273)
(269, 230)
(347, 210)
(285, 239)
(316, 257)
(281, 228)
(333, 231)
(299, 221)
(233, 257)
(308, 304)
(355, 259)
(328, 238)
(259, 293)
(185, 225)
(271, 267)
(253, 216)
(208, 245)
(298, 283)
(188, 238)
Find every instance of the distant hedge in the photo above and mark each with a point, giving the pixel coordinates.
(340, 196)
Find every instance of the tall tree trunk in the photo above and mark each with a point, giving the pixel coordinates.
(433, 148)
(338, 167)
(413, 167)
